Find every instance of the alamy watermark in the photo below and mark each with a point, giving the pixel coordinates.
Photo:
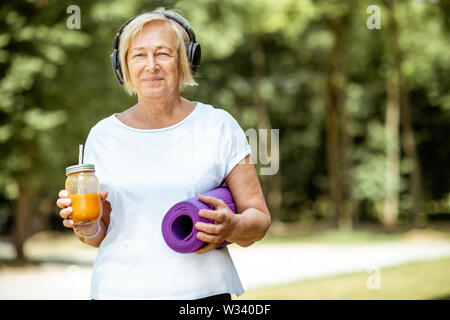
(203, 144)
(259, 144)
(374, 280)
(374, 20)
(74, 20)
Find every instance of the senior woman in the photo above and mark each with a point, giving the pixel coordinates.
(158, 152)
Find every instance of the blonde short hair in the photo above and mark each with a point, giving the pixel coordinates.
(131, 31)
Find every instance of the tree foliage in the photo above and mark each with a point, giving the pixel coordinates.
(268, 63)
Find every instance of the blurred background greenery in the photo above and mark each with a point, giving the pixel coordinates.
(363, 114)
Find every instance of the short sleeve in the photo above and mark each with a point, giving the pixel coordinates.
(236, 146)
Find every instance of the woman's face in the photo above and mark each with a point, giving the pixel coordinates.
(153, 60)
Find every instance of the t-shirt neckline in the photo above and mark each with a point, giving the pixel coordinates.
(190, 115)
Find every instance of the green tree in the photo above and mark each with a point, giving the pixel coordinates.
(34, 41)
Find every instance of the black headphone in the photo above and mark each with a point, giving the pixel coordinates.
(193, 49)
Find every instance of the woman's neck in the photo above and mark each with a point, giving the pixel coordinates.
(156, 113)
(164, 107)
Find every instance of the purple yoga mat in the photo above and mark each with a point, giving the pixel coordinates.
(178, 224)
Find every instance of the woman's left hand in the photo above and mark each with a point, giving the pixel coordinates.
(225, 223)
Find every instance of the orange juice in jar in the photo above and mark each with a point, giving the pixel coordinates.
(83, 187)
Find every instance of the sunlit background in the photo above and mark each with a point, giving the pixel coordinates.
(360, 204)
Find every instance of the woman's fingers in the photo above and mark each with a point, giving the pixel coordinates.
(213, 239)
(64, 199)
(68, 223)
(64, 213)
(63, 202)
(215, 202)
(217, 215)
(63, 194)
(208, 247)
(103, 195)
(210, 228)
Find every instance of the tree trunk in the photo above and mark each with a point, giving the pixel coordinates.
(409, 145)
(333, 115)
(390, 209)
(408, 140)
(21, 218)
(349, 212)
(332, 145)
(271, 183)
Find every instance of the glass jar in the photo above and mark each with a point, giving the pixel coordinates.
(84, 191)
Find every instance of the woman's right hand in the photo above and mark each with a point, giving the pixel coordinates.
(64, 203)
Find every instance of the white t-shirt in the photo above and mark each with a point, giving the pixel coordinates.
(145, 173)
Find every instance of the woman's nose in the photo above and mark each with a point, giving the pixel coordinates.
(151, 63)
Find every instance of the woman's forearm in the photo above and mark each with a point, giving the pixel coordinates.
(252, 225)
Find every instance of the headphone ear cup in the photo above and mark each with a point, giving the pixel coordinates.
(119, 69)
(193, 52)
(196, 56)
(115, 62)
(188, 47)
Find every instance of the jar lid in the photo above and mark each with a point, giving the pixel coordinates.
(80, 167)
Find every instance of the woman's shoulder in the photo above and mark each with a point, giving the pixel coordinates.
(217, 113)
(103, 125)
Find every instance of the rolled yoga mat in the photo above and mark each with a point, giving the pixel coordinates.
(178, 226)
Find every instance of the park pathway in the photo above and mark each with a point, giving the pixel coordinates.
(258, 266)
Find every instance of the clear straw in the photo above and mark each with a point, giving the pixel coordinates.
(80, 161)
(80, 154)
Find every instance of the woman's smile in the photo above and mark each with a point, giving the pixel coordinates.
(152, 79)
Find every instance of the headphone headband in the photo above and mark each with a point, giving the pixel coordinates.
(193, 49)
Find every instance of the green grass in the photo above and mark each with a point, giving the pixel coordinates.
(420, 280)
(322, 233)
(334, 236)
